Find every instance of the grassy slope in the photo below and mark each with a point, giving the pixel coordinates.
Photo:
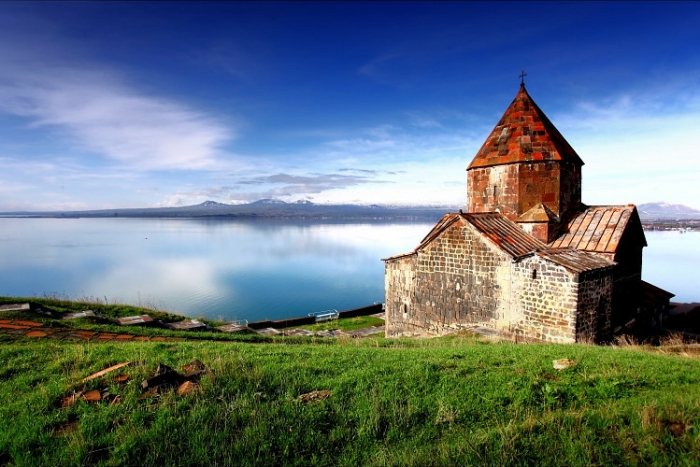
(444, 401)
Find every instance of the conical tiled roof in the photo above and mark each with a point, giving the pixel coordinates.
(524, 134)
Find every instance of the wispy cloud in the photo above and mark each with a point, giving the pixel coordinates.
(96, 110)
(638, 146)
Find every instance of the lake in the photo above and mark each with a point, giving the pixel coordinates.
(245, 269)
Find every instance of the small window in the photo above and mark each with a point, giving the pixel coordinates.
(495, 190)
(534, 274)
(404, 309)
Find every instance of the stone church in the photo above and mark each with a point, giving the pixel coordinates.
(527, 258)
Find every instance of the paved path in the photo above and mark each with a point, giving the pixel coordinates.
(37, 330)
(34, 329)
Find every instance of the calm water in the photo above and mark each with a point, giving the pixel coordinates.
(245, 269)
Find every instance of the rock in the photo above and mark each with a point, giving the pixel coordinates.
(315, 396)
(563, 363)
(194, 365)
(121, 379)
(188, 387)
(70, 399)
(92, 396)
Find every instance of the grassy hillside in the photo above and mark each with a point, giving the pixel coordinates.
(450, 401)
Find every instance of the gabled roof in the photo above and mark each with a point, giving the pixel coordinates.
(653, 296)
(598, 229)
(524, 134)
(513, 241)
(496, 227)
(504, 233)
(575, 260)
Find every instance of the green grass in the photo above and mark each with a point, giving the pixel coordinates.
(345, 324)
(451, 401)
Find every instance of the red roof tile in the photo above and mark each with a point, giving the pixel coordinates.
(524, 134)
(504, 233)
(597, 229)
(576, 260)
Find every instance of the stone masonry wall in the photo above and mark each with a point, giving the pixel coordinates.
(594, 305)
(513, 189)
(399, 287)
(481, 195)
(539, 183)
(544, 301)
(459, 280)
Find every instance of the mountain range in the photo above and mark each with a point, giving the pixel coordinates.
(274, 208)
(264, 208)
(666, 211)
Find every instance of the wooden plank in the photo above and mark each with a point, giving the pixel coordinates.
(105, 371)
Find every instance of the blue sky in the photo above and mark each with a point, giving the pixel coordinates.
(107, 105)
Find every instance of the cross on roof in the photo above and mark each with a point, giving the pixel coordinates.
(522, 77)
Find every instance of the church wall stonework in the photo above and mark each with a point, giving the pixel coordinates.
(493, 189)
(545, 307)
(458, 281)
(513, 189)
(594, 305)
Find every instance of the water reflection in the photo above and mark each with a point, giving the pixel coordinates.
(229, 269)
(245, 269)
(672, 262)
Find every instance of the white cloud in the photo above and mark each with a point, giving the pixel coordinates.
(104, 115)
(637, 148)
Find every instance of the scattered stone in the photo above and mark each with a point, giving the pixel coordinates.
(36, 334)
(187, 325)
(138, 320)
(14, 327)
(368, 331)
(150, 392)
(87, 334)
(71, 398)
(232, 327)
(15, 307)
(188, 387)
(563, 363)
(163, 369)
(106, 336)
(80, 314)
(194, 365)
(194, 375)
(105, 371)
(269, 332)
(299, 332)
(166, 378)
(334, 333)
(315, 396)
(92, 396)
(121, 379)
(28, 323)
(677, 429)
